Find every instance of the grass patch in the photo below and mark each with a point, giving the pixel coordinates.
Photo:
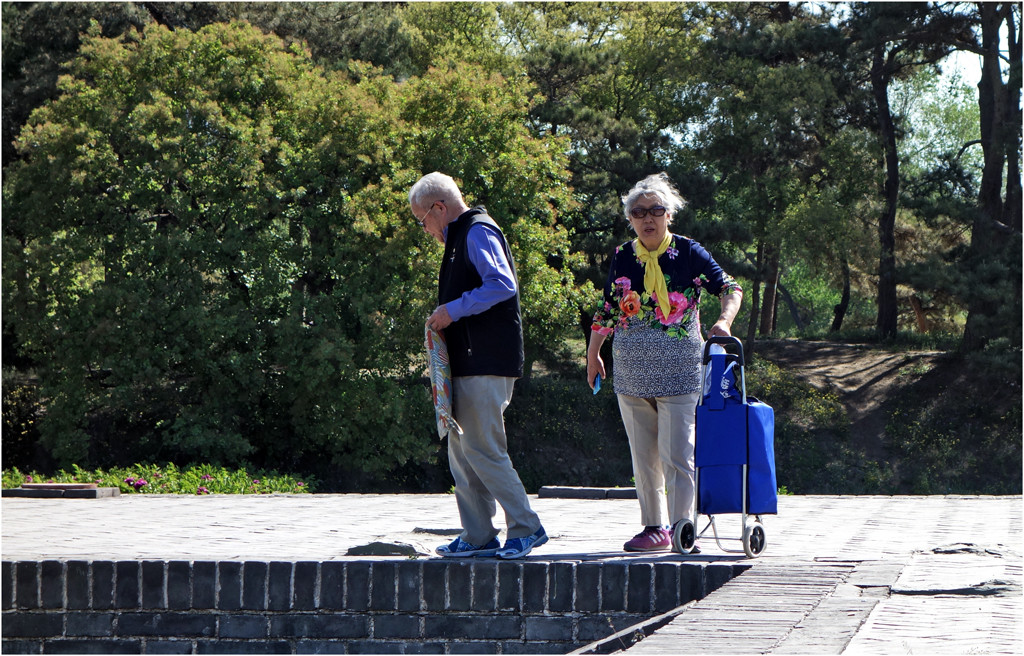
(952, 427)
(169, 479)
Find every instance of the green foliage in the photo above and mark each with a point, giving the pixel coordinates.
(960, 432)
(941, 119)
(560, 433)
(951, 429)
(169, 479)
(208, 247)
(207, 251)
(21, 406)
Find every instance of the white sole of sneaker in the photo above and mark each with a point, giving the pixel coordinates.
(470, 554)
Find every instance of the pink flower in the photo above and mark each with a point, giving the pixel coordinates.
(202, 490)
(679, 305)
(623, 283)
(139, 483)
(206, 477)
(300, 483)
(601, 330)
(28, 479)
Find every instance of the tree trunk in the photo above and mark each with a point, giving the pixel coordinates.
(771, 281)
(839, 311)
(995, 229)
(922, 320)
(755, 302)
(887, 308)
(1013, 211)
(794, 311)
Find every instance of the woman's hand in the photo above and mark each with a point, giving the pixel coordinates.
(720, 329)
(730, 308)
(595, 365)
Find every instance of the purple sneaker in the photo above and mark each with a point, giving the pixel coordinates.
(652, 538)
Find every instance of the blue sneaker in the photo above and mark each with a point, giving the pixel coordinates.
(519, 547)
(461, 549)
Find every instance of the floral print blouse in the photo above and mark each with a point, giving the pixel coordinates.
(688, 269)
(657, 354)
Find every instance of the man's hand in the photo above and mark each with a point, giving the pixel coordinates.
(440, 319)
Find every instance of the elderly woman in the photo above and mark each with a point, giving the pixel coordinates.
(651, 303)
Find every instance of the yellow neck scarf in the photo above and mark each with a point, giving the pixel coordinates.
(654, 279)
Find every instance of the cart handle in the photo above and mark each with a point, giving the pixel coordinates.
(725, 341)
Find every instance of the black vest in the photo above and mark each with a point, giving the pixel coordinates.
(489, 343)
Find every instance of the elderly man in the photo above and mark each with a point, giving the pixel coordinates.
(478, 312)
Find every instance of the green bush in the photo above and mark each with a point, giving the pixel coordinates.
(21, 408)
(169, 479)
(957, 431)
(209, 254)
(560, 433)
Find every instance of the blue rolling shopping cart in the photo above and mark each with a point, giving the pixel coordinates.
(735, 453)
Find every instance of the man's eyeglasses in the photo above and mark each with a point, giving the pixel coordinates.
(641, 212)
(420, 220)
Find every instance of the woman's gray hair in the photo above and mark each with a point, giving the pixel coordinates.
(433, 187)
(658, 185)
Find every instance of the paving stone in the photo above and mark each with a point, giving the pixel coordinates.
(304, 585)
(254, 585)
(951, 593)
(126, 587)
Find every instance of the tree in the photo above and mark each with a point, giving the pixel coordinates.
(777, 137)
(894, 39)
(940, 163)
(38, 39)
(611, 79)
(995, 255)
(208, 248)
(974, 260)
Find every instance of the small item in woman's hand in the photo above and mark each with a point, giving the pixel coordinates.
(597, 383)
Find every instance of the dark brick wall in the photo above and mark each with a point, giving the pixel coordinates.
(356, 606)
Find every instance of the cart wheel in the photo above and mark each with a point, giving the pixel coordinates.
(684, 536)
(754, 540)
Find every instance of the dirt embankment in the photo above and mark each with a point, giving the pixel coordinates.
(862, 377)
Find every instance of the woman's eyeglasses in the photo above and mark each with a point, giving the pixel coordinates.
(641, 212)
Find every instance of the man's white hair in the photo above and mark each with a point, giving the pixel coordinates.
(433, 187)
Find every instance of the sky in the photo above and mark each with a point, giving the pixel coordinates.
(967, 64)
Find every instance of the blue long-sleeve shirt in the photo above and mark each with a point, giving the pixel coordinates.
(483, 246)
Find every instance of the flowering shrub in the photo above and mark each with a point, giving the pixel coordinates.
(169, 479)
(137, 483)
